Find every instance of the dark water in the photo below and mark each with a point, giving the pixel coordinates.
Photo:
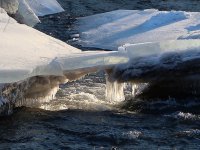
(39, 129)
(81, 118)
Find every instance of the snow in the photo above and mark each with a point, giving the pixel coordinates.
(117, 28)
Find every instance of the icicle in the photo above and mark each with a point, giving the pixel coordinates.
(134, 89)
(114, 91)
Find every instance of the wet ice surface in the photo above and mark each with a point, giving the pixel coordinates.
(81, 118)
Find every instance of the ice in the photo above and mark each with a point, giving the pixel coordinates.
(134, 89)
(25, 14)
(156, 61)
(33, 64)
(114, 91)
(45, 7)
(119, 27)
(27, 11)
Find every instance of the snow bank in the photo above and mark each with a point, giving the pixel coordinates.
(119, 27)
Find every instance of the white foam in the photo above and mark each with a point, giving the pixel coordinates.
(132, 134)
(187, 116)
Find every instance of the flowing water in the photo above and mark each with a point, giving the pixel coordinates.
(82, 118)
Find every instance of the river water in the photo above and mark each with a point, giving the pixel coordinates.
(81, 118)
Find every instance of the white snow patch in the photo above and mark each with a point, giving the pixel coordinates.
(130, 135)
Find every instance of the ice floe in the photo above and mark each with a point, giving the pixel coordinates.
(34, 64)
(117, 28)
